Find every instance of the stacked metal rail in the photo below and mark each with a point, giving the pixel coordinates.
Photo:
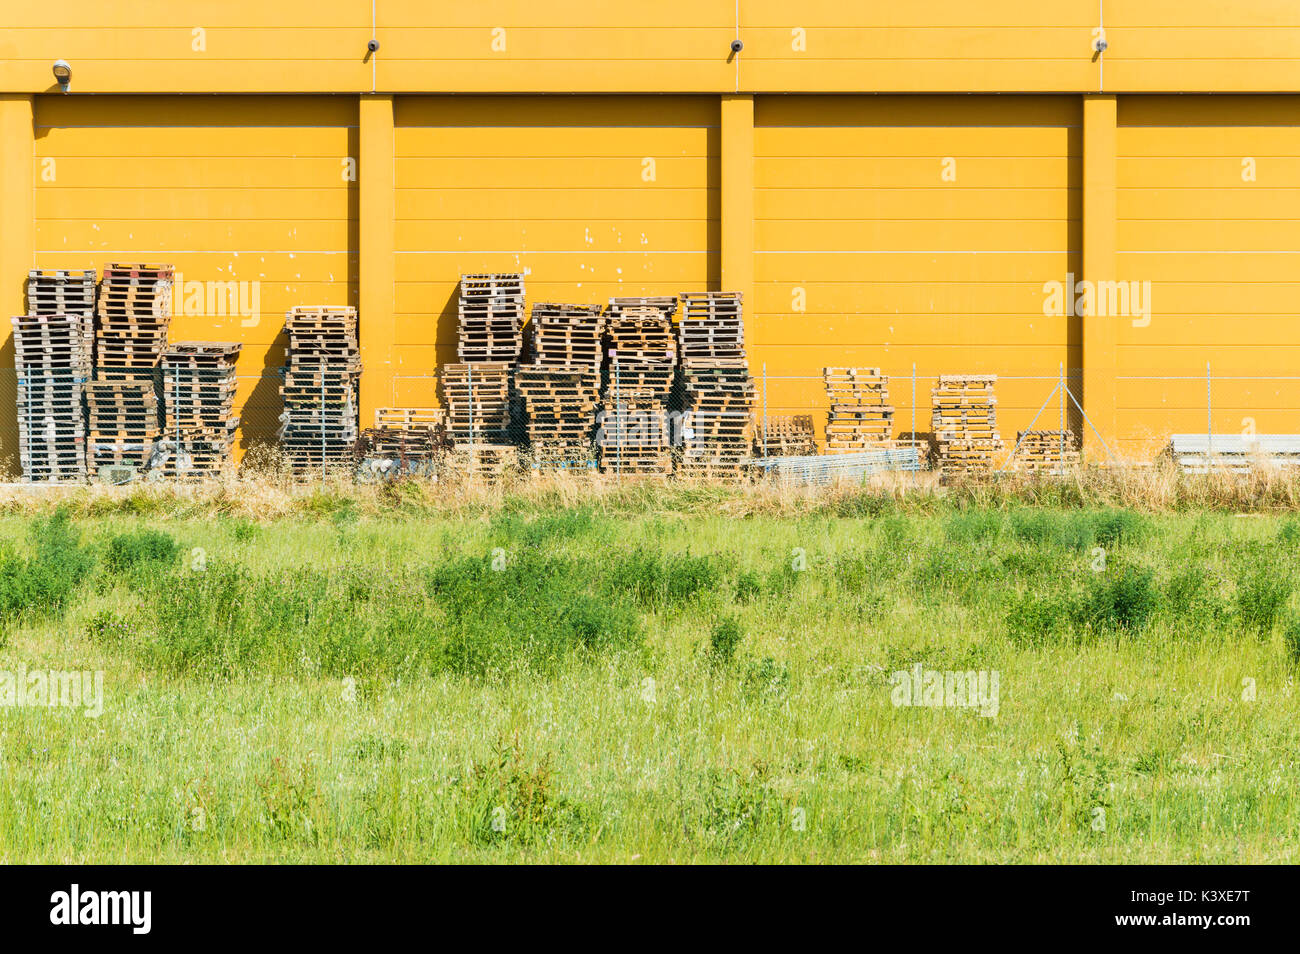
(199, 385)
(52, 361)
(832, 468)
(964, 418)
(861, 417)
(634, 435)
(319, 428)
(720, 395)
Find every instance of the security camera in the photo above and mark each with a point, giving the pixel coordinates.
(62, 74)
(737, 46)
(373, 46)
(1099, 45)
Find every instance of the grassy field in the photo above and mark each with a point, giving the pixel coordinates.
(653, 675)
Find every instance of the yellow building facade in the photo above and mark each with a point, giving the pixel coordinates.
(928, 188)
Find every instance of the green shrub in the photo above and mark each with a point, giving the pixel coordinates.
(725, 640)
(1291, 641)
(1112, 527)
(1120, 600)
(1037, 619)
(1261, 598)
(665, 580)
(42, 585)
(142, 549)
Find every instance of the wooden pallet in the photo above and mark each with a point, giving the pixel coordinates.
(319, 426)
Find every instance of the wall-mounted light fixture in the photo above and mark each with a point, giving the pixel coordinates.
(62, 74)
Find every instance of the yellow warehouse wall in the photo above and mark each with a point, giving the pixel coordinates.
(674, 46)
(225, 189)
(895, 264)
(1221, 252)
(596, 197)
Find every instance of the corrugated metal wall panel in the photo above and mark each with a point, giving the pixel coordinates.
(233, 189)
(1221, 250)
(594, 196)
(896, 263)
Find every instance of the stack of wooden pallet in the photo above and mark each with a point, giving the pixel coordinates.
(404, 440)
(861, 417)
(718, 426)
(561, 385)
(134, 310)
(61, 291)
(567, 336)
(1046, 452)
(318, 428)
(198, 383)
(786, 435)
(560, 403)
(491, 318)
(52, 361)
(964, 418)
(487, 462)
(124, 423)
(634, 436)
(477, 398)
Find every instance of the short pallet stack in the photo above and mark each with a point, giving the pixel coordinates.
(134, 311)
(786, 435)
(477, 397)
(199, 383)
(964, 418)
(861, 417)
(318, 428)
(634, 436)
(1051, 453)
(718, 424)
(404, 440)
(52, 361)
(124, 423)
(61, 291)
(490, 314)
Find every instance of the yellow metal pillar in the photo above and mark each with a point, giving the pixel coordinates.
(737, 185)
(376, 181)
(17, 248)
(1099, 241)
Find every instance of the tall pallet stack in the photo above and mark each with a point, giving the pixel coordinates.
(964, 418)
(861, 417)
(561, 386)
(634, 435)
(319, 428)
(1046, 452)
(52, 361)
(479, 390)
(199, 383)
(133, 315)
(124, 424)
(720, 395)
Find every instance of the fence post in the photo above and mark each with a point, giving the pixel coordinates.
(322, 425)
(469, 401)
(764, 408)
(1060, 383)
(620, 421)
(1209, 419)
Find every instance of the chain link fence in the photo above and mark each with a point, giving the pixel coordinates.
(618, 433)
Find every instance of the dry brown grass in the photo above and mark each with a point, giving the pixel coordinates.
(271, 492)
